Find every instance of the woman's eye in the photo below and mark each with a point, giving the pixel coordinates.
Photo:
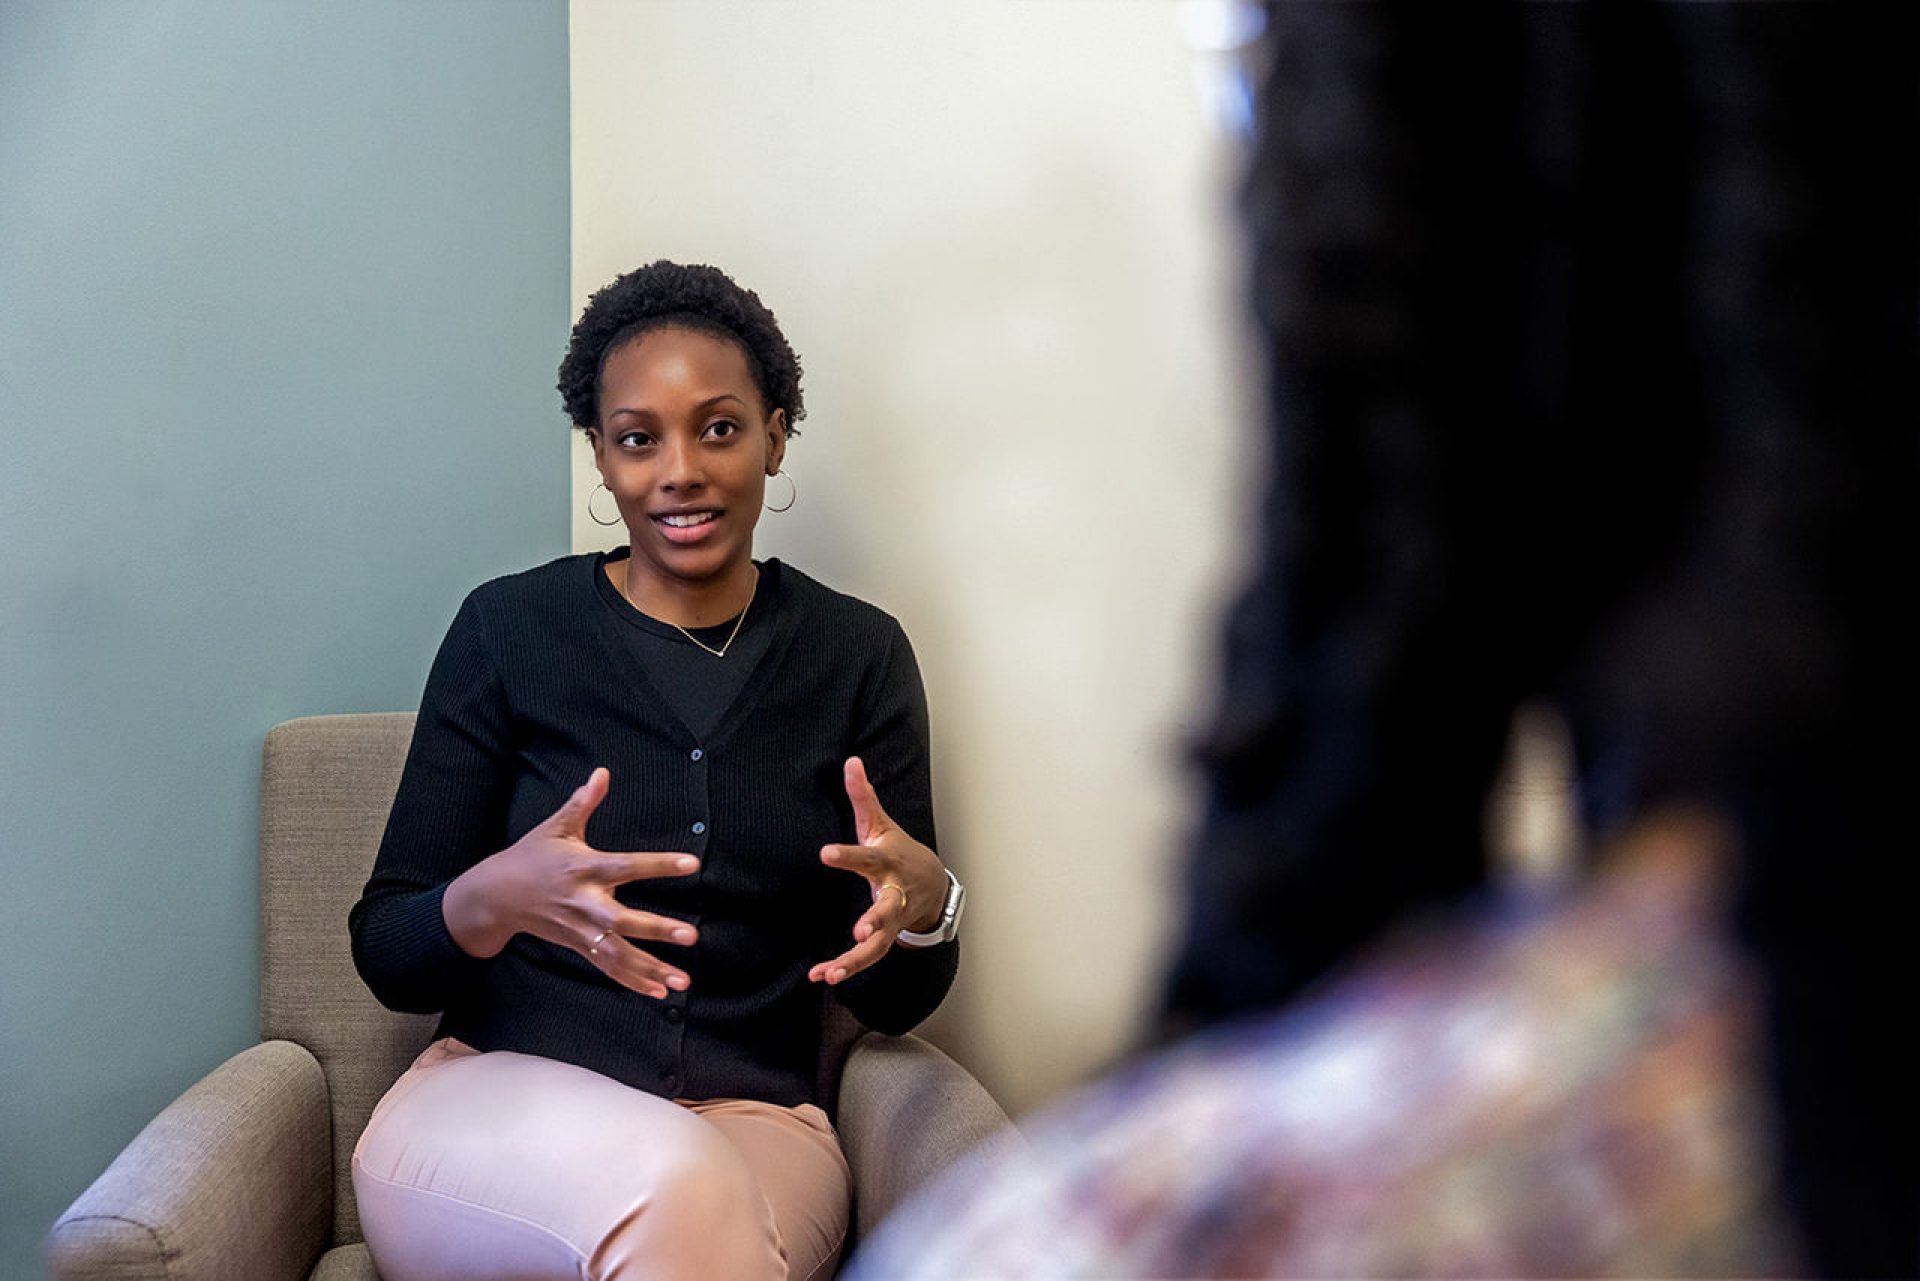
(721, 429)
(634, 439)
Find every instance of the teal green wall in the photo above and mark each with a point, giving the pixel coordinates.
(282, 290)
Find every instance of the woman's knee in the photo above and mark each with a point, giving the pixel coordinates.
(703, 1216)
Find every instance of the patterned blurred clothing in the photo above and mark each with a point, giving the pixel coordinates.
(1554, 1090)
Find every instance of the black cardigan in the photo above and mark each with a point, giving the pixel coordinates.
(533, 687)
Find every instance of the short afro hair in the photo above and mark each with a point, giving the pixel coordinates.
(665, 295)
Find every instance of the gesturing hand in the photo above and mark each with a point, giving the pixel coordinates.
(908, 881)
(553, 885)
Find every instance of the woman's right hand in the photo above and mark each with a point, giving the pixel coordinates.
(553, 885)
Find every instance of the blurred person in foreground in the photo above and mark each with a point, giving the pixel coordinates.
(1591, 337)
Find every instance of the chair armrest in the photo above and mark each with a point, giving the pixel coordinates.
(906, 1112)
(232, 1179)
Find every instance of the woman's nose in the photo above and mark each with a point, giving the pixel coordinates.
(681, 467)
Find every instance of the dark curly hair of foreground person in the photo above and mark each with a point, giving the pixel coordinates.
(1594, 385)
(672, 295)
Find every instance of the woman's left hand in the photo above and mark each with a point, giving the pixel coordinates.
(908, 880)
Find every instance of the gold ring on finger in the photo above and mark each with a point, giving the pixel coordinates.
(897, 889)
(598, 940)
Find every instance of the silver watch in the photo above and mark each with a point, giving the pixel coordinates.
(949, 927)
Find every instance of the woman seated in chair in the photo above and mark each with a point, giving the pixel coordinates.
(657, 800)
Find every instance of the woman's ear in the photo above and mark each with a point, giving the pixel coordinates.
(776, 440)
(595, 439)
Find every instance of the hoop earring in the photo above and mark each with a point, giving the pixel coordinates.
(595, 519)
(793, 493)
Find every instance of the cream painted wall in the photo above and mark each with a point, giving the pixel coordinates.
(999, 235)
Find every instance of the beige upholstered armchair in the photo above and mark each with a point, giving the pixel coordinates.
(246, 1174)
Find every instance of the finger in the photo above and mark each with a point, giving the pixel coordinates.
(571, 818)
(649, 865)
(854, 858)
(660, 929)
(876, 932)
(869, 819)
(859, 957)
(884, 912)
(635, 969)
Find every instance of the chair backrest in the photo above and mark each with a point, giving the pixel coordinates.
(326, 784)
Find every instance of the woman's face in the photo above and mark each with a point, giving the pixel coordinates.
(686, 445)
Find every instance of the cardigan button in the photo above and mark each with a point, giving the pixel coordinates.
(669, 1081)
(697, 753)
(699, 828)
(673, 1014)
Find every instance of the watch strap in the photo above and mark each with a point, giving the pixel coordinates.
(949, 925)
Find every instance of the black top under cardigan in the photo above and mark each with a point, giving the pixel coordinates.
(533, 687)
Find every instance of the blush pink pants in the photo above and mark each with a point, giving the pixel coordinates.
(506, 1165)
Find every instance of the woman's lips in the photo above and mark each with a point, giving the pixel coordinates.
(687, 527)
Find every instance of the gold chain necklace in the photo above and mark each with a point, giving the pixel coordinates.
(725, 645)
(731, 636)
